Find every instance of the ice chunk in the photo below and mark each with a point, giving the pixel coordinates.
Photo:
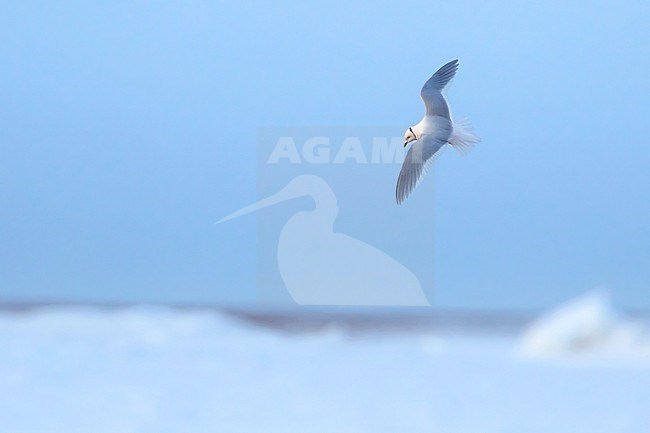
(588, 324)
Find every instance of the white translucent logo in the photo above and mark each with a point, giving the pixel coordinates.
(322, 150)
(320, 266)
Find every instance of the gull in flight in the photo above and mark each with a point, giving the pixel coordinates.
(434, 131)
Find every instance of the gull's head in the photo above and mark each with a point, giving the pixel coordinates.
(409, 136)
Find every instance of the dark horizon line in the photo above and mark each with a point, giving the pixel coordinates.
(352, 319)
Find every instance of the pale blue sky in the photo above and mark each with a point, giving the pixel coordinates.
(128, 128)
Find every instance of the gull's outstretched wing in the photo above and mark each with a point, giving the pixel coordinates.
(415, 165)
(431, 92)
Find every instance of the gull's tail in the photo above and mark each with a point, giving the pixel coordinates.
(463, 138)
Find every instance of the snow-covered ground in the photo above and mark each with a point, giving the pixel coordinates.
(581, 368)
